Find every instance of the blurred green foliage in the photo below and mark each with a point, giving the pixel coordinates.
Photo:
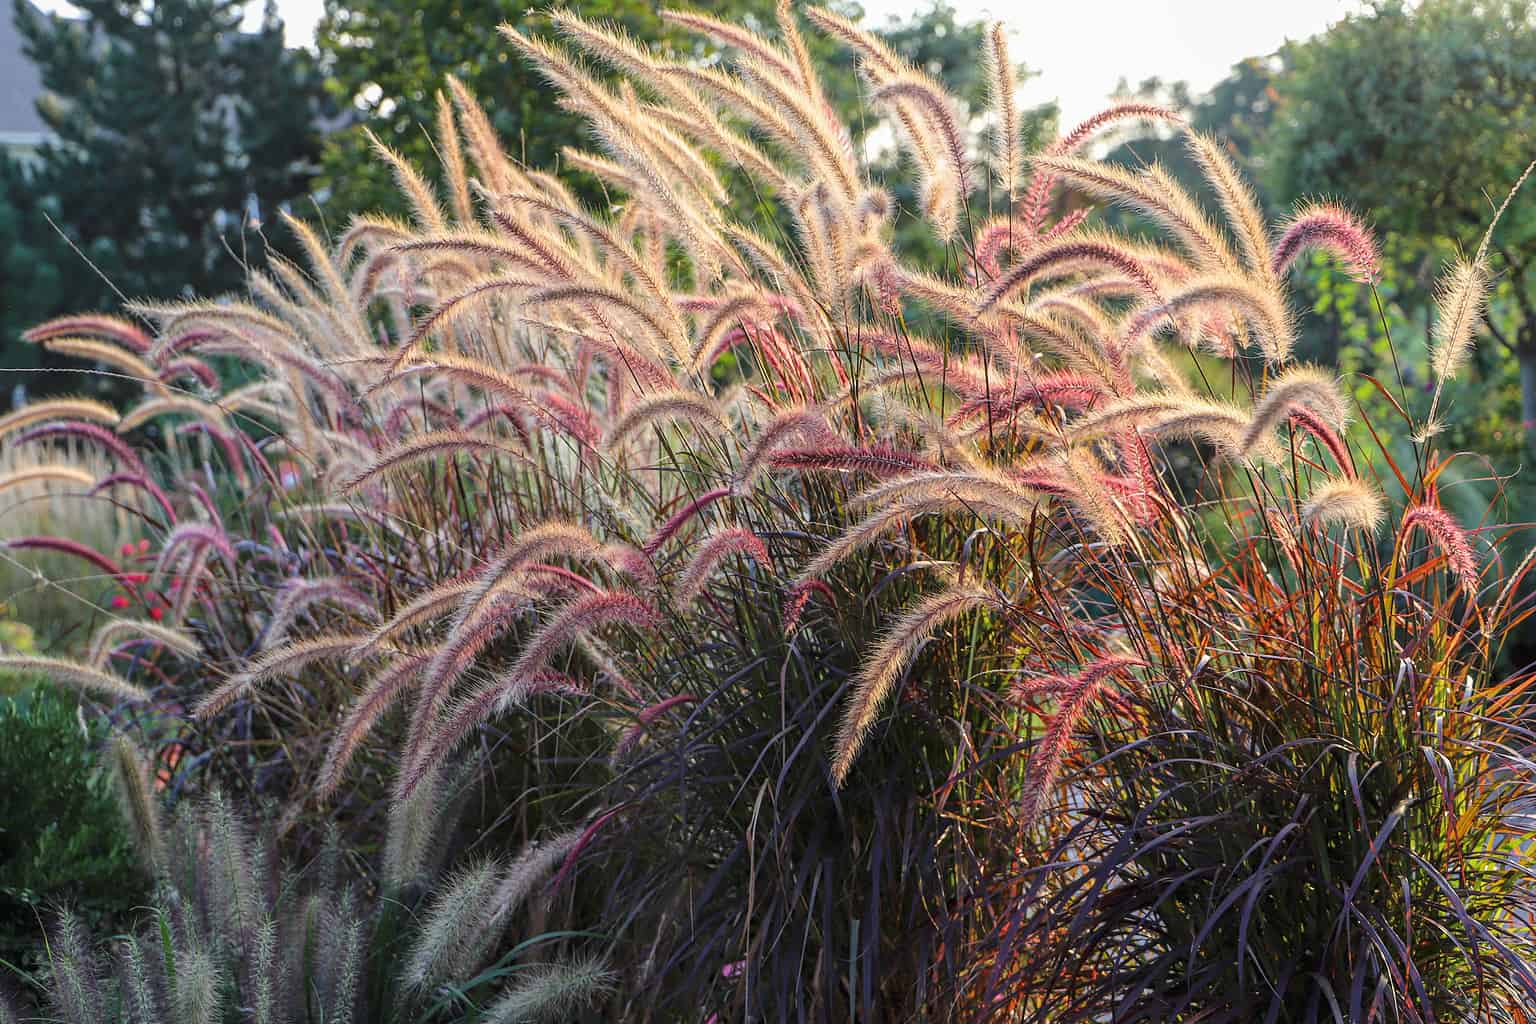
(175, 134)
(1424, 116)
(62, 840)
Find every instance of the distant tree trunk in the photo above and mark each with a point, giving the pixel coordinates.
(1526, 351)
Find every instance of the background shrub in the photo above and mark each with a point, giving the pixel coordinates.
(62, 842)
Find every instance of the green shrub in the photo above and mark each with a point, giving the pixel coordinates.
(61, 839)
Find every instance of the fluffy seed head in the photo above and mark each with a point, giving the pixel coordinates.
(1460, 301)
(1345, 502)
(889, 658)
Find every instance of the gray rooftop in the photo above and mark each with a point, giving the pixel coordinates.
(20, 86)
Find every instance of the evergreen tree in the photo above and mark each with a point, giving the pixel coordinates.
(33, 281)
(176, 133)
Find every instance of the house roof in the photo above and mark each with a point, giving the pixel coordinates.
(20, 85)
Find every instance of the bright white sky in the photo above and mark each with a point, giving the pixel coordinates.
(1081, 48)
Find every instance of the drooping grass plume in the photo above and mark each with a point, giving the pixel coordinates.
(53, 473)
(1077, 696)
(669, 406)
(58, 409)
(1448, 536)
(1300, 387)
(1331, 229)
(384, 689)
(711, 552)
(76, 676)
(551, 992)
(1344, 501)
(427, 446)
(150, 632)
(288, 658)
(889, 659)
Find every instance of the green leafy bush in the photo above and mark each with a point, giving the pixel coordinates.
(61, 838)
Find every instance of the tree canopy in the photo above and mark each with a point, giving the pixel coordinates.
(176, 135)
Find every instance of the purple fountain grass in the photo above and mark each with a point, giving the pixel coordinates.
(1454, 543)
(90, 432)
(675, 522)
(1075, 696)
(1331, 229)
(66, 546)
(713, 550)
(111, 328)
(889, 659)
(383, 691)
(881, 460)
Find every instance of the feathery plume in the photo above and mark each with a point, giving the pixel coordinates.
(131, 777)
(1162, 412)
(1062, 257)
(454, 932)
(1036, 205)
(96, 325)
(296, 596)
(1449, 537)
(1332, 229)
(463, 715)
(1001, 87)
(789, 425)
(885, 663)
(879, 460)
(1236, 198)
(447, 139)
(286, 659)
(58, 409)
(424, 204)
(65, 546)
(1299, 387)
(425, 446)
(1152, 194)
(50, 473)
(534, 863)
(551, 992)
(383, 691)
(84, 678)
(433, 603)
(647, 715)
(1344, 501)
(1077, 696)
(91, 432)
(668, 405)
(711, 552)
(130, 363)
(171, 639)
(680, 518)
(1262, 307)
(582, 615)
(1460, 300)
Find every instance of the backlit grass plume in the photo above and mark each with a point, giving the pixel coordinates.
(1018, 635)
